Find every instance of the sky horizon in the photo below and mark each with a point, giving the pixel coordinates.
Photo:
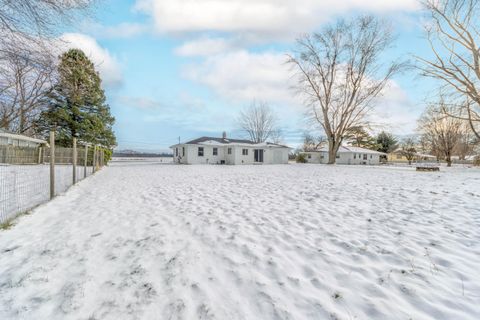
(184, 68)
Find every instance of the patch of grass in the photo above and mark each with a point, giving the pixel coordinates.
(336, 295)
(6, 225)
(11, 222)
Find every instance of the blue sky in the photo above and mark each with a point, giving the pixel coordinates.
(185, 68)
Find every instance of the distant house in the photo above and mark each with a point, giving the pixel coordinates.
(18, 140)
(399, 156)
(209, 150)
(345, 155)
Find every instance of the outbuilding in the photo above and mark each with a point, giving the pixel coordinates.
(18, 140)
(346, 155)
(211, 150)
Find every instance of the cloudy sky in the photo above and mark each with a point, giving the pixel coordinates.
(185, 68)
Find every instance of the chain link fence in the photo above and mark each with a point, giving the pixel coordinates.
(30, 176)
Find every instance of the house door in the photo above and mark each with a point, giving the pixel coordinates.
(258, 155)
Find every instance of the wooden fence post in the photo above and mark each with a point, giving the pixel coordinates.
(94, 158)
(85, 162)
(7, 155)
(40, 155)
(74, 160)
(52, 164)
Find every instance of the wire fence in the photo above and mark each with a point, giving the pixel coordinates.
(30, 176)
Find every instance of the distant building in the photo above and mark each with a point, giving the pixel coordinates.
(210, 150)
(399, 156)
(346, 155)
(18, 140)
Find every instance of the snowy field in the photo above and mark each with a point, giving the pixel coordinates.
(156, 241)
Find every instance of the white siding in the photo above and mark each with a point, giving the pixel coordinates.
(354, 158)
(316, 157)
(271, 155)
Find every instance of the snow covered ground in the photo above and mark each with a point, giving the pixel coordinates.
(159, 241)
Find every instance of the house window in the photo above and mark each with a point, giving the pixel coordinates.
(215, 151)
(371, 157)
(245, 152)
(399, 156)
(354, 156)
(229, 150)
(364, 157)
(200, 151)
(183, 151)
(176, 152)
(309, 156)
(338, 156)
(321, 157)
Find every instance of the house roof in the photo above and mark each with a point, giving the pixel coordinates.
(230, 142)
(219, 140)
(344, 149)
(5, 134)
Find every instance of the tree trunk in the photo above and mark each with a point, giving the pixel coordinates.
(332, 151)
(448, 158)
(21, 128)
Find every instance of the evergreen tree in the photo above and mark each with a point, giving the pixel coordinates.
(386, 142)
(359, 137)
(76, 106)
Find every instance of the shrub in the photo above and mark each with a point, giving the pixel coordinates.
(476, 161)
(301, 158)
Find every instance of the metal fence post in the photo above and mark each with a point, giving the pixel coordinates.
(85, 162)
(52, 164)
(74, 162)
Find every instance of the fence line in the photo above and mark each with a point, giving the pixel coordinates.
(30, 176)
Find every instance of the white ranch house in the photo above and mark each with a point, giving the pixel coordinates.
(346, 155)
(209, 150)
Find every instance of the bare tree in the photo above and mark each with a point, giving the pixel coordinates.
(340, 74)
(311, 143)
(22, 20)
(26, 54)
(276, 136)
(443, 132)
(259, 122)
(466, 143)
(454, 36)
(26, 79)
(408, 149)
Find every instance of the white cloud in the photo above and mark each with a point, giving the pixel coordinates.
(395, 111)
(106, 63)
(244, 76)
(270, 17)
(204, 47)
(240, 77)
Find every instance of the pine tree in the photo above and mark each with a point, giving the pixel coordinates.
(386, 142)
(359, 137)
(77, 106)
